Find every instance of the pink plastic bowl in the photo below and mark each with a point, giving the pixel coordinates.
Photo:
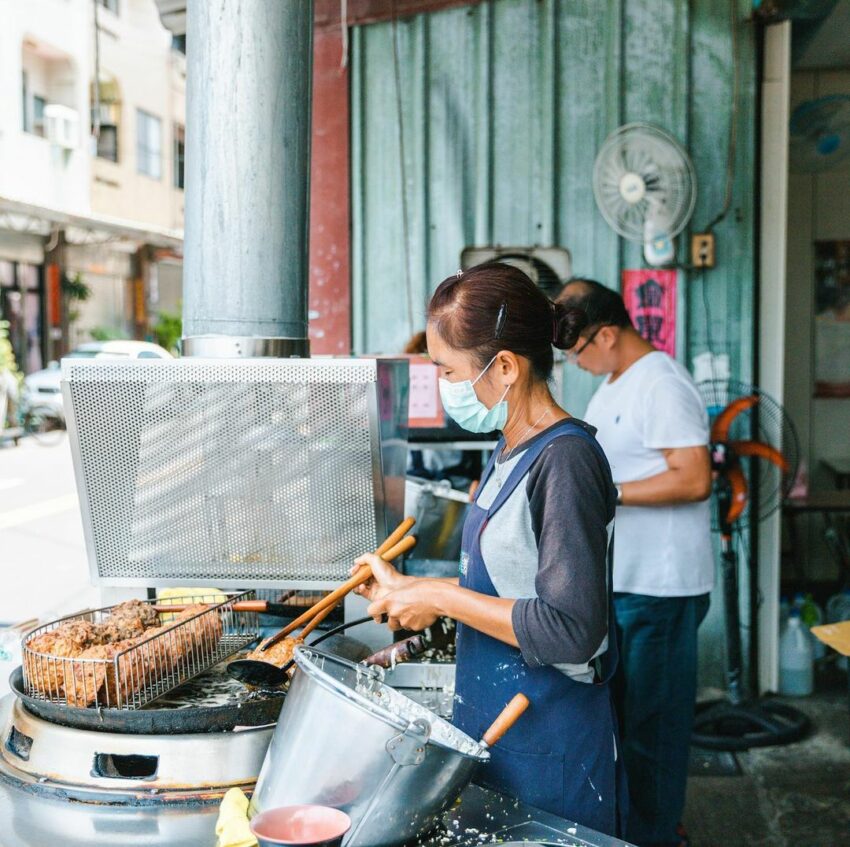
(317, 826)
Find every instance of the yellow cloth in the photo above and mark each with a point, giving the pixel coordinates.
(207, 595)
(191, 595)
(232, 826)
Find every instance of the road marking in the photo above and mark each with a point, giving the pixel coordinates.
(14, 482)
(25, 514)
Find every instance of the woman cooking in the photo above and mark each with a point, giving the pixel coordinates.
(533, 598)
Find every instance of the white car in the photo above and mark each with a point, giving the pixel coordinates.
(43, 388)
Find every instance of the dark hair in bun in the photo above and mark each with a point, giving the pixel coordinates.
(603, 305)
(495, 306)
(569, 322)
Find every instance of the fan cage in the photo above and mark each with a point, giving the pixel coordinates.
(767, 422)
(670, 170)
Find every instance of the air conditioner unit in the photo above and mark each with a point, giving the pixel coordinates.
(62, 125)
(548, 267)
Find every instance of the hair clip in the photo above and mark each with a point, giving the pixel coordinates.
(501, 318)
(459, 273)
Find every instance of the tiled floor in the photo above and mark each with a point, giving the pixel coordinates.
(794, 796)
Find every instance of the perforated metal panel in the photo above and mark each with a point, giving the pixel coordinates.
(248, 472)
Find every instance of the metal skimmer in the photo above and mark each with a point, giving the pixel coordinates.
(132, 677)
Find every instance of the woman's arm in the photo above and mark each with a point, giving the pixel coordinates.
(417, 604)
(571, 500)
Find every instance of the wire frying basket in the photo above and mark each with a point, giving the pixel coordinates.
(76, 661)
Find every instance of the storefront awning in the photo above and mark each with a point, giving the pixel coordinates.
(19, 217)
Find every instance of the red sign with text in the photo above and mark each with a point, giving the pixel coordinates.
(650, 298)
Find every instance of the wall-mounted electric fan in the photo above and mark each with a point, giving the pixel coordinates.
(645, 186)
(820, 133)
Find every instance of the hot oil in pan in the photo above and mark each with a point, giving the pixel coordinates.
(212, 688)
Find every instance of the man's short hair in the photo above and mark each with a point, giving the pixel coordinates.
(603, 305)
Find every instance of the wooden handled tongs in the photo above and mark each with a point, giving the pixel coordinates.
(265, 674)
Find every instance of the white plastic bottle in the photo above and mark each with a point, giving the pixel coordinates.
(784, 609)
(811, 615)
(796, 671)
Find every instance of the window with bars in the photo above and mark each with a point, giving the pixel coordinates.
(148, 144)
(32, 109)
(106, 119)
(38, 104)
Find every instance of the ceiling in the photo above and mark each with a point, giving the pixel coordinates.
(824, 43)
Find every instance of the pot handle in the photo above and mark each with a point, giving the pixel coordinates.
(506, 719)
(408, 748)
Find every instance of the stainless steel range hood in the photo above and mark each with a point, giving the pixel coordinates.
(237, 466)
(245, 284)
(235, 472)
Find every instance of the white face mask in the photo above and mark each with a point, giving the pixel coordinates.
(462, 404)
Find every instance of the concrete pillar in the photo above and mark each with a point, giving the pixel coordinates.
(247, 177)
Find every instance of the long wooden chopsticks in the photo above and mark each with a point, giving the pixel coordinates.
(395, 545)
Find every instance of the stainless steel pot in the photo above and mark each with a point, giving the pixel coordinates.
(345, 739)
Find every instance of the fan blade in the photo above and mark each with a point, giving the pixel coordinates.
(720, 427)
(740, 494)
(761, 451)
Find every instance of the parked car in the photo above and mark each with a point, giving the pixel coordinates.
(43, 388)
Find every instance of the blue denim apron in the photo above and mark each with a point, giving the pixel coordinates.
(562, 756)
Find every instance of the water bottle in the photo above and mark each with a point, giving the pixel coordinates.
(784, 609)
(838, 610)
(796, 671)
(811, 615)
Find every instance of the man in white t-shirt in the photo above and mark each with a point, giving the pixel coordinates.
(653, 426)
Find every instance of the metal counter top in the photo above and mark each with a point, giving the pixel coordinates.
(30, 820)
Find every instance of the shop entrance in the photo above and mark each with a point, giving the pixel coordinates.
(22, 305)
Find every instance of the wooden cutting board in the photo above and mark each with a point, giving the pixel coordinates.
(835, 635)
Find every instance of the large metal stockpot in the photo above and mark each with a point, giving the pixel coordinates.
(346, 739)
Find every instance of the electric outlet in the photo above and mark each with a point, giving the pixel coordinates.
(702, 250)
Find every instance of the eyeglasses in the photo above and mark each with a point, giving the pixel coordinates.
(573, 354)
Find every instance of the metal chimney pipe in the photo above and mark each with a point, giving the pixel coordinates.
(249, 66)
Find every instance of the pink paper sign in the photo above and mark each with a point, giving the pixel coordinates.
(650, 297)
(425, 408)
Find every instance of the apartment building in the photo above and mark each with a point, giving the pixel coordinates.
(91, 177)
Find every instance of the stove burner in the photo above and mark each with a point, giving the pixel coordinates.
(126, 768)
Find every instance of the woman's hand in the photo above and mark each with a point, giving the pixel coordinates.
(385, 577)
(411, 606)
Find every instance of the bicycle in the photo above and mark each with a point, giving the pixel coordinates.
(46, 424)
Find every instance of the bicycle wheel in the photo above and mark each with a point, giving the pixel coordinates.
(44, 425)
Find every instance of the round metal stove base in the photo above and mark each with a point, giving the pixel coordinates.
(105, 767)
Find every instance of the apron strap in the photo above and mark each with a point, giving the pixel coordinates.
(565, 428)
(604, 665)
(490, 467)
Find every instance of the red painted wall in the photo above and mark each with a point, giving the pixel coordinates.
(330, 272)
(330, 229)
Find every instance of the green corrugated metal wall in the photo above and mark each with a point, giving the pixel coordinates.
(504, 105)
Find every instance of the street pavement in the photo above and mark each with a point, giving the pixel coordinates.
(43, 567)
